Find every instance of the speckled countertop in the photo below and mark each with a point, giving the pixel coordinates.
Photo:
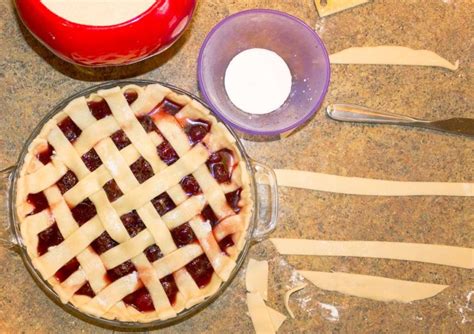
(33, 80)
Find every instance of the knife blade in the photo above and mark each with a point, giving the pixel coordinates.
(460, 126)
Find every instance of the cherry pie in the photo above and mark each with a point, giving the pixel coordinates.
(134, 203)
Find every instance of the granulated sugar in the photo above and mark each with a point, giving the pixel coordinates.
(258, 81)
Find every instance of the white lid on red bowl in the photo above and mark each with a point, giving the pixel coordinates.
(98, 12)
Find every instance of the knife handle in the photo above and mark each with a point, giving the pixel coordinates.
(359, 114)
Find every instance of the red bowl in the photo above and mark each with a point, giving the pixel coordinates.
(143, 36)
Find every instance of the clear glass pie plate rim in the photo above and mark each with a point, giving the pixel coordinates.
(254, 233)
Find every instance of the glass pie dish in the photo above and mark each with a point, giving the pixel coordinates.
(263, 192)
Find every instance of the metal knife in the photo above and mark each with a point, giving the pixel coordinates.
(359, 114)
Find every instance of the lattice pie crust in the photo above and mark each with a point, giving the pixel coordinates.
(134, 203)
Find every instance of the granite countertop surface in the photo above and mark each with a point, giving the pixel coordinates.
(32, 80)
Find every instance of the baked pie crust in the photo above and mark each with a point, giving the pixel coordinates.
(134, 203)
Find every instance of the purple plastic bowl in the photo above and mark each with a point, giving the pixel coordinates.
(298, 44)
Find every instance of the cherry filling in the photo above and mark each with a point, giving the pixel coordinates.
(167, 106)
(84, 211)
(233, 199)
(70, 129)
(221, 164)
(67, 270)
(103, 243)
(167, 153)
(209, 215)
(112, 190)
(169, 285)
(133, 223)
(163, 203)
(130, 96)
(147, 124)
(153, 253)
(196, 129)
(45, 155)
(190, 185)
(86, 290)
(91, 160)
(99, 109)
(140, 299)
(142, 170)
(48, 238)
(120, 139)
(38, 201)
(67, 181)
(200, 270)
(226, 243)
(183, 235)
(121, 270)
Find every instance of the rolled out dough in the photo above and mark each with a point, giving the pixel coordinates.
(437, 254)
(391, 55)
(374, 187)
(373, 287)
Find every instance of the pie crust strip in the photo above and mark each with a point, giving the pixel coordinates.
(276, 317)
(132, 127)
(222, 264)
(256, 279)
(335, 6)
(287, 297)
(371, 187)
(437, 254)
(56, 257)
(45, 176)
(373, 287)
(258, 311)
(391, 55)
(113, 293)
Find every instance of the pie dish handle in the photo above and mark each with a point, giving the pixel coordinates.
(266, 201)
(7, 239)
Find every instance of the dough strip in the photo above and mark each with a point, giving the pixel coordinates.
(371, 187)
(373, 287)
(437, 254)
(391, 55)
